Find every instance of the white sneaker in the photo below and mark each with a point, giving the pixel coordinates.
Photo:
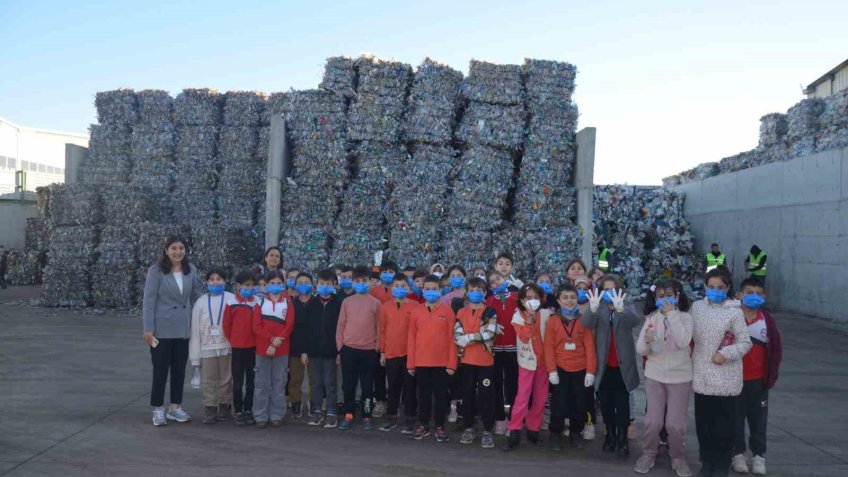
(758, 465)
(177, 415)
(500, 428)
(739, 464)
(452, 417)
(159, 418)
(589, 432)
(379, 409)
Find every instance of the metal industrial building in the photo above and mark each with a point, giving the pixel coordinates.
(830, 83)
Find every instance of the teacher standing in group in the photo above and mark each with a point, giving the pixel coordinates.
(172, 286)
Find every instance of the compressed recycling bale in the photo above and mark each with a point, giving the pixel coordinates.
(832, 139)
(357, 245)
(117, 244)
(552, 125)
(492, 83)
(128, 204)
(549, 82)
(739, 161)
(237, 144)
(381, 77)
(198, 107)
(803, 147)
(493, 125)
(302, 205)
(339, 76)
(304, 247)
(319, 163)
(151, 239)
(195, 206)
(467, 247)
(243, 108)
(221, 246)
(544, 205)
(118, 106)
(75, 204)
(483, 179)
(773, 128)
(115, 285)
(433, 103)
(375, 118)
(66, 287)
(155, 108)
(24, 268)
(379, 163)
(197, 141)
(802, 120)
(37, 235)
(108, 160)
(310, 113)
(42, 201)
(73, 246)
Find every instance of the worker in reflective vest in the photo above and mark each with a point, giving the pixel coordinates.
(756, 263)
(715, 258)
(604, 258)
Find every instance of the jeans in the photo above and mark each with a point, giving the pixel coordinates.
(171, 355)
(322, 383)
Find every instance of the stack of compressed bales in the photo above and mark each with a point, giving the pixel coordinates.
(109, 160)
(37, 235)
(833, 122)
(375, 120)
(224, 247)
(495, 113)
(802, 125)
(433, 104)
(24, 267)
(197, 115)
(153, 150)
(340, 76)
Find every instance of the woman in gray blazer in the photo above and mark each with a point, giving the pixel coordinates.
(171, 288)
(617, 374)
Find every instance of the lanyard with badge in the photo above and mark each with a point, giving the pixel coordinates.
(215, 329)
(570, 345)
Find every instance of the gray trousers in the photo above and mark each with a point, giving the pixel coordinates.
(322, 383)
(269, 399)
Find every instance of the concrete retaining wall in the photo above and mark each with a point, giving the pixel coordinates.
(797, 211)
(13, 215)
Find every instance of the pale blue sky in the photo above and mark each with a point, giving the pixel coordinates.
(668, 84)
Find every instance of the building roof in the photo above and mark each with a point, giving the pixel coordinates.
(42, 131)
(827, 76)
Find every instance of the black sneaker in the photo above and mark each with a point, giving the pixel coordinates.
(391, 423)
(420, 433)
(408, 428)
(442, 435)
(249, 419)
(239, 419)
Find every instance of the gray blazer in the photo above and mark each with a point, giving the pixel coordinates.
(625, 346)
(166, 311)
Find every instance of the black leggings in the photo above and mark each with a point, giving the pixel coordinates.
(506, 382)
(715, 424)
(432, 395)
(615, 399)
(171, 355)
(244, 360)
(478, 395)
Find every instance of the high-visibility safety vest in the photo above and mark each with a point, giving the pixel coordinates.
(713, 261)
(754, 261)
(603, 262)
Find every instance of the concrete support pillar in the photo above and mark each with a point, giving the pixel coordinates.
(75, 156)
(584, 181)
(277, 154)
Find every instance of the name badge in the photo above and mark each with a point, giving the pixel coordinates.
(215, 332)
(571, 347)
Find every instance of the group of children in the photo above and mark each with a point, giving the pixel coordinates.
(484, 345)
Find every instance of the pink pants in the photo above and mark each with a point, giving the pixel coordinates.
(535, 384)
(667, 404)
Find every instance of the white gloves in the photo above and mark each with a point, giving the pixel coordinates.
(553, 378)
(618, 301)
(594, 300)
(589, 381)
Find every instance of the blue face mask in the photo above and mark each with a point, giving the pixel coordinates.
(361, 288)
(660, 303)
(446, 290)
(410, 281)
(304, 288)
(502, 288)
(432, 296)
(546, 287)
(291, 282)
(475, 296)
(571, 312)
(326, 290)
(608, 295)
(582, 296)
(247, 292)
(387, 278)
(215, 290)
(400, 292)
(457, 282)
(417, 290)
(276, 288)
(346, 283)
(753, 300)
(716, 296)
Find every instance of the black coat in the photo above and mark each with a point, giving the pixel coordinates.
(321, 331)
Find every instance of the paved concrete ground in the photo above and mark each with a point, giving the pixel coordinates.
(75, 392)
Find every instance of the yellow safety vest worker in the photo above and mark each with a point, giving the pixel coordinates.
(603, 262)
(754, 261)
(713, 261)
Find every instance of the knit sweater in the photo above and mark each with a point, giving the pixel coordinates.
(673, 363)
(711, 321)
(202, 344)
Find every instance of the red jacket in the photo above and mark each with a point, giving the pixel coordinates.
(504, 306)
(271, 320)
(238, 323)
(774, 351)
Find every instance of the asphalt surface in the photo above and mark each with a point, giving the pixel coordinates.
(75, 390)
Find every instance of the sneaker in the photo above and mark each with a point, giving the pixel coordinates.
(379, 409)
(488, 441)
(589, 432)
(453, 412)
(331, 422)
(261, 424)
(758, 465)
(296, 410)
(316, 419)
(239, 419)
(177, 415)
(681, 467)
(644, 464)
(249, 419)
(367, 424)
(467, 436)
(347, 423)
(739, 464)
(442, 435)
(391, 423)
(408, 428)
(631, 430)
(225, 411)
(277, 422)
(210, 415)
(500, 427)
(420, 433)
(159, 418)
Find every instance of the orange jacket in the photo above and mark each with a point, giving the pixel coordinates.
(394, 327)
(478, 328)
(558, 335)
(430, 341)
(382, 293)
(531, 334)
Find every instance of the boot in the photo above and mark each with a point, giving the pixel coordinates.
(534, 438)
(623, 445)
(556, 441)
(512, 441)
(610, 439)
(210, 414)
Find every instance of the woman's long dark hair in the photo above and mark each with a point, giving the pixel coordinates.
(265, 258)
(165, 261)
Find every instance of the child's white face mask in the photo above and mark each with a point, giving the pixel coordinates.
(532, 304)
